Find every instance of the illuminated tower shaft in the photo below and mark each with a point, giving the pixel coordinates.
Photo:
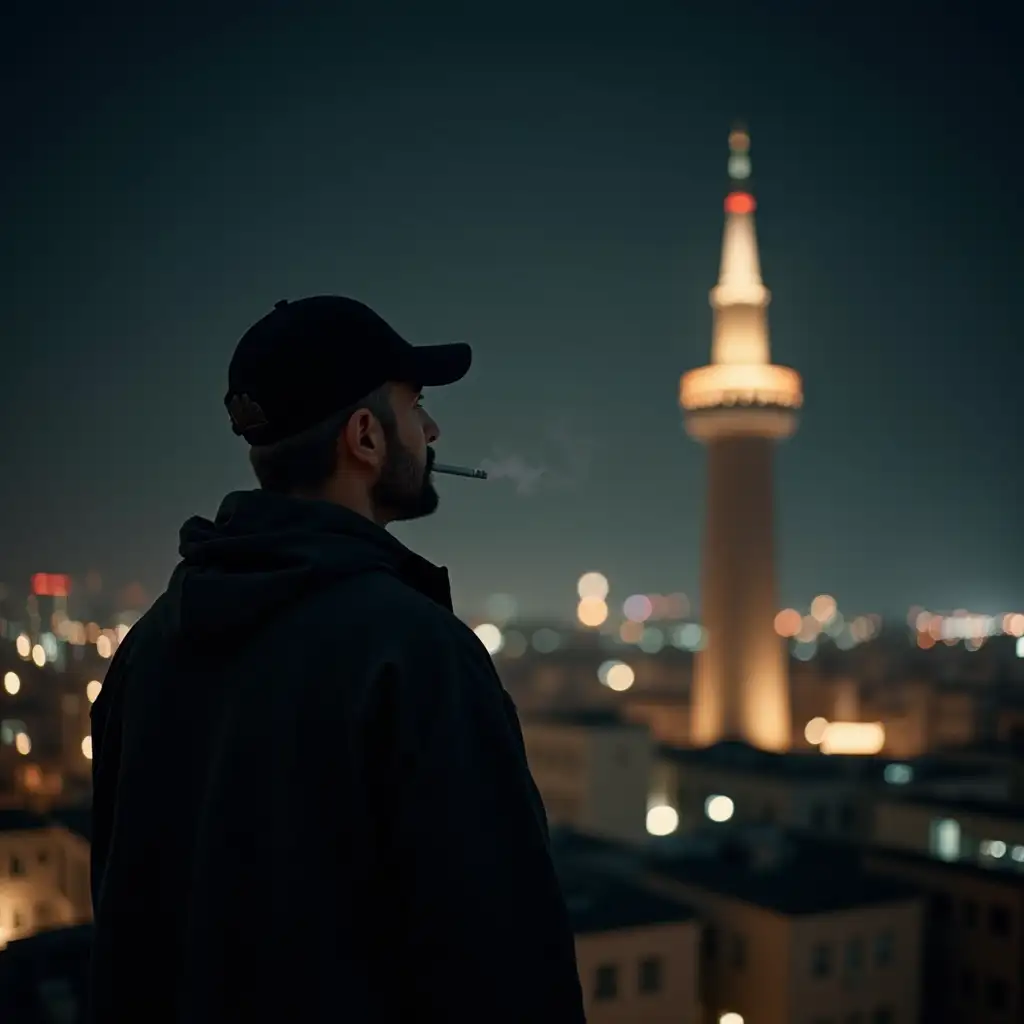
(739, 406)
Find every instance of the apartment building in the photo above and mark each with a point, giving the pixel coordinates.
(973, 936)
(593, 771)
(44, 875)
(637, 951)
(798, 933)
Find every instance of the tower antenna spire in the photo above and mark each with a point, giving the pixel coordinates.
(739, 155)
(740, 405)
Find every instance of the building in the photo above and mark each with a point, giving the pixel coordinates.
(850, 797)
(666, 715)
(923, 716)
(45, 742)
(987, 833)
(44, 875)
(637, 951)
(797, 932)
(974, 936)
(738, 784)
(739, 406)
(593, 771)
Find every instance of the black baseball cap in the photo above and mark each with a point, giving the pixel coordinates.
(313, 357)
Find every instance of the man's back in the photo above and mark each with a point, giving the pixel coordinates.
(312, 797)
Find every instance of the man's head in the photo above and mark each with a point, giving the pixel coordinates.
(330, 399)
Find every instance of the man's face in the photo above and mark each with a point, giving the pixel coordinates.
(404, 489)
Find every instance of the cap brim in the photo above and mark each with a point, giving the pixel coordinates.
(432, 366)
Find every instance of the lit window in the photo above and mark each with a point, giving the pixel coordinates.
(898, 774)
(994, 848)
(945, 838)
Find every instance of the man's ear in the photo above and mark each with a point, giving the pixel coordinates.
(363, 439)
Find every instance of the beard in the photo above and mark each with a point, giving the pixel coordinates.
(403, 490)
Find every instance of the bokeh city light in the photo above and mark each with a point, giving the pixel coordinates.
(490, 636)
(662, 820)
(814, 731)
(592, 611)
(637, 608)
(592, 584)
(719, 808)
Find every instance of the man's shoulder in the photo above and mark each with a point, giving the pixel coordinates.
(381, 599)
(378, 619)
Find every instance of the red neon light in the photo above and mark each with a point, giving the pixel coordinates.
(740, 202)
(49, 584)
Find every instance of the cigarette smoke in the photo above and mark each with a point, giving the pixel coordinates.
(569, 467)
(525, 476)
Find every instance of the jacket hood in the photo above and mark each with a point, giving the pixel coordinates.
(264, 551)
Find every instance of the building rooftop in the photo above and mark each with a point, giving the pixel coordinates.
(1006, 810)
(14, 819)
(789, 876)
(602, 881)
(75, 819)
(816, 767)
(740, 757)
(602, 902)
(592, 718)
(1003, 872)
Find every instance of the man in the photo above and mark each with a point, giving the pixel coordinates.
(312, 801)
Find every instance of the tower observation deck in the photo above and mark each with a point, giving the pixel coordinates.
(739, 406)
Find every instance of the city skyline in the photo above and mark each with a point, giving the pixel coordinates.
(564, 216)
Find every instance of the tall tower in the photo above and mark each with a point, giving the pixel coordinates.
(739, 406)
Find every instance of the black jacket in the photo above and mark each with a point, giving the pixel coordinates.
(312, 801)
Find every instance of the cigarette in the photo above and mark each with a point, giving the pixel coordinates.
(474, 474)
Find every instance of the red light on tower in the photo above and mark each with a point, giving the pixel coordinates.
(740, 202)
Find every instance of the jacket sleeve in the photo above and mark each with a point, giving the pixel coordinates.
(482, 923)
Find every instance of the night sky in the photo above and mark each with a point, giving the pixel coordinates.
(547, 184)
